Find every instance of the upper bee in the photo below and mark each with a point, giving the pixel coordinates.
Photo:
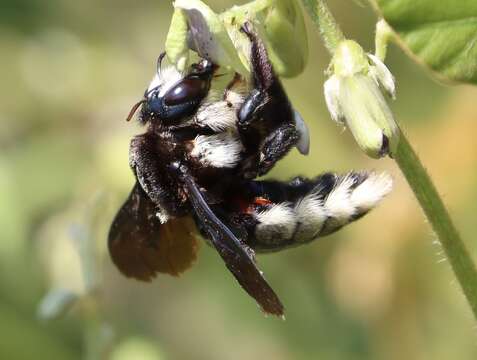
(172, 95)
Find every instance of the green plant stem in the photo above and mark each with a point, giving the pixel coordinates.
(415, 174)
(324, 20)
(430, 201)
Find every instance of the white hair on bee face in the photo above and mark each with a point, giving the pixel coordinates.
(164, 79)
(220, 150)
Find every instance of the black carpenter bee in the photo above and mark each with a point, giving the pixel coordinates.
(196, 165)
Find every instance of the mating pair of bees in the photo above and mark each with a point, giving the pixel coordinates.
(196, 170)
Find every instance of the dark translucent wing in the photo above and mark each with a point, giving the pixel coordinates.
(140, 246)
(237, 256)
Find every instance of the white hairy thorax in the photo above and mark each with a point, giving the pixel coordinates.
(219, 113)
(221, 150)
(316, 212)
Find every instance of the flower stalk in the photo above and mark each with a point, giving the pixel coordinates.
(439, 218)
(324, 20)
(412, 169)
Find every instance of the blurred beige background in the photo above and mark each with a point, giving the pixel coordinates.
(379, 289)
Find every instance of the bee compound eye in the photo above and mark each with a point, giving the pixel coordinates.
(154, 104)
(188, 90)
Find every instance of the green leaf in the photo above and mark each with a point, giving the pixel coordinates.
(440, 33)
(176, 42)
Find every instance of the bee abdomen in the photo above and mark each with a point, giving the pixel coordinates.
(302, 210)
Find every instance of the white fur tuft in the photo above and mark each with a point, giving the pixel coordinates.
(220, 114)
(162, 216)
(236, 96)
(311, 216)
(221, 150)
(371, 191)
(276, 224)
(217, 115)
(338, 204)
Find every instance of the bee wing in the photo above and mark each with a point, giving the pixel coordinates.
(140, 246)
(238, 257)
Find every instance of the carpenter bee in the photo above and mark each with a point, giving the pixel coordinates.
(196, 168)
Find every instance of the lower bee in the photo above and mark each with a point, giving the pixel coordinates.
(196, 168)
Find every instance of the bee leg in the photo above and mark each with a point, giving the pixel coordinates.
(266, 120)
(251, 110)
(268, 98)
(276, 145)
(158, 185)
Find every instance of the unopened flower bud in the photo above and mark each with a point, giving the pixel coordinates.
(177, 49)
(354, 97)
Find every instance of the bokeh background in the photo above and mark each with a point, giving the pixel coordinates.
(379, 289)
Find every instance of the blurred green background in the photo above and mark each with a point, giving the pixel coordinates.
(379, 289)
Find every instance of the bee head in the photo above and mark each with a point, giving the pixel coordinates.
(172, 95)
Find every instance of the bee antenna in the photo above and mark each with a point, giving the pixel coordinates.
(159, 63)
(134, 109)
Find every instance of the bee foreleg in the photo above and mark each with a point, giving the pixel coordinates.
(158, 185)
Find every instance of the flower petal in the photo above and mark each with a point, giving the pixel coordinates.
(176, 46)
(383, 76)
(332, 90)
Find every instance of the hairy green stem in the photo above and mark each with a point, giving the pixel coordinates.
(322, 17)
(430, 201)
(414, 172)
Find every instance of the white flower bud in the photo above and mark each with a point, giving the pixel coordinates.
(354, 98)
